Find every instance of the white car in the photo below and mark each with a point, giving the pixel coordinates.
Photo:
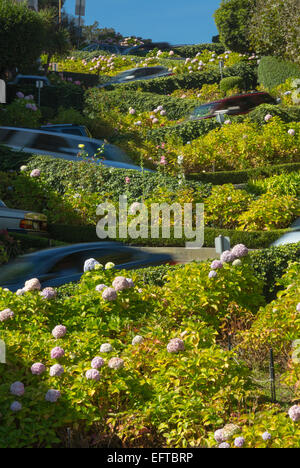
(22, 221)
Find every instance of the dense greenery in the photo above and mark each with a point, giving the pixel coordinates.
(273, 71)
(232, 19)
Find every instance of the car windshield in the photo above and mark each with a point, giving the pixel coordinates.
(16, 271)
(202, 111)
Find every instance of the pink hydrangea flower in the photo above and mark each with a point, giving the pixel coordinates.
(219, 436)
(109, 294)
(106, 348)
(56, 370)
(224, 445)
(52, 395)
(99, 287)
(131, 111)
(130, 282)
(268, 117)
(175, 345)
(227, 257)
(239, 250)
(239, 442)
(92, 374)
(20, 95)
(32, 284)
(116, 363)
(294, 413)
(90, 264)
(6, 314)
(17, 388)
(57, 353)
(266, 436)
(216, 264)
(59, 331)
(97, 362)
(291, 132)
(120, 283)
(35, 173)
(212, 274)
(48, 293)
(298, 307)
(37, 368)
(155, 120)
(127, 180)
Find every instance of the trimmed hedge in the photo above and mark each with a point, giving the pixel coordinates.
(60, 173)
(187, 131)
(30, 242)
(285, 113)
(253, 240)
(270, 264)
(211, 75)
(65, 94)
(272, 71)
(226, 84)
(98, 100)
(192, 50)
(241, 177)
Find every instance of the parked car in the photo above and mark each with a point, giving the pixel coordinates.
(140, 73)
(25, 222)
(71, 129)
(60, 265)
(64, 146)
(29, 79)
(234, 105)
(291, 237)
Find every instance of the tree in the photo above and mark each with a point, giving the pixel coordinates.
(21, 30)
(55, 38)
(232, 19)
(275, 28)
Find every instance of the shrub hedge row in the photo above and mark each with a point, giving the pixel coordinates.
(285, 113)
(211, 75)
(253, 240)
(240, 177)
(192, 50)
(64, 94)
(272, 71)
(187, 131)
(96, 100)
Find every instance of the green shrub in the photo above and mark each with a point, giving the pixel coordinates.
(97, 100)
(186, 131)
(273, 71)
(17, 114)
(194, 80)
(224, 205)
(142, 395)
(270, 264)
(283, 184)
(240, 177)
(285, 113)
(192, 50)
(226, 84)
(266, 213)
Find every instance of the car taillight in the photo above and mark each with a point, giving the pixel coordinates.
(26, 224)
(170, 262)
(169, 74)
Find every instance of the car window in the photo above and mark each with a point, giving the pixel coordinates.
(70, 264)
(16, 137)
(2, 203)
(204, 110)
(54, 143)
(16, 271)
(72, 131)
(104, 256)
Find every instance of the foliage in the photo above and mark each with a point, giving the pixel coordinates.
(22, 112)
(22, 29)
(273, 71)
(174, 417)
(266, 213)
(224, 205)
(283, 184)
(189, 51)
(232, 19)
(231, 82)
(274, 28)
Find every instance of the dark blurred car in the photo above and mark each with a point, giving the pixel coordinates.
(57, 266)
(234, 105)
(71, 129)
(141, 73)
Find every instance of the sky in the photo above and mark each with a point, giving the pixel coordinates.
(174, 21)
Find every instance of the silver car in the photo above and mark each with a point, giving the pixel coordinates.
(140, 73)
(64, 146)
(22, 221)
